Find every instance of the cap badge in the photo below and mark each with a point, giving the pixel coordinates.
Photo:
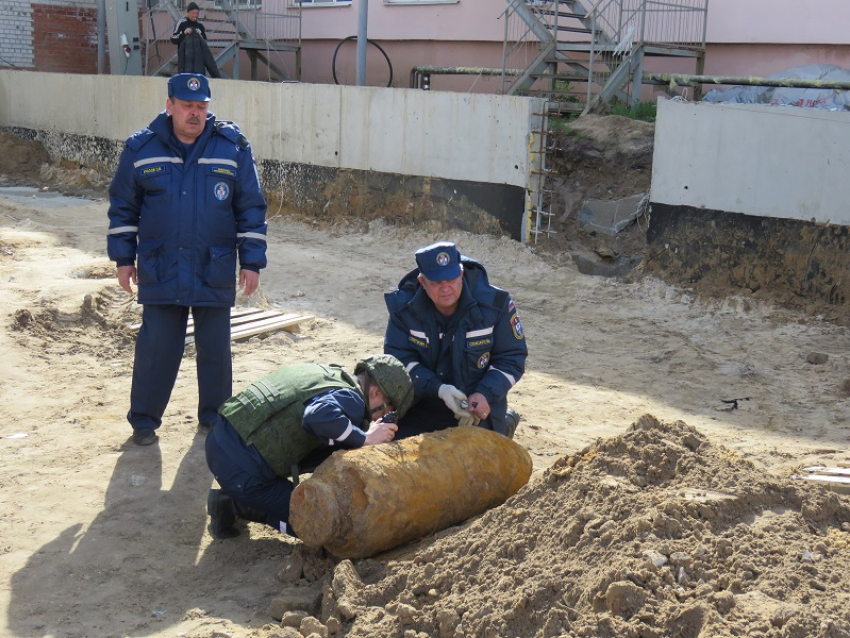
(443, 259)
(193, 84)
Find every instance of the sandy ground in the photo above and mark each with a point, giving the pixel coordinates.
(663, 529)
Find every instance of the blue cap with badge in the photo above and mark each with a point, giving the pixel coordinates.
(439, 262)
(189, 87)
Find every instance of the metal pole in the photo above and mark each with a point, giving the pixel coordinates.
(362, 20)
(101, 36)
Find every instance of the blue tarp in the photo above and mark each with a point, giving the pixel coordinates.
(827, 99)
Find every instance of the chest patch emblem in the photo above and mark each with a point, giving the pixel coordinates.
(483, 360)
(221, 191)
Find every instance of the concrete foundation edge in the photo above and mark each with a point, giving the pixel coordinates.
(329, 194)
(795, 260)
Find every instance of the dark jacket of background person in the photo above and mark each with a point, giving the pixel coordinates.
(193, 53)
(194, 56)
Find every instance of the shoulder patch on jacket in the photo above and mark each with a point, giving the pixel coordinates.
(231, 131)
(516, 326)
(138, 139)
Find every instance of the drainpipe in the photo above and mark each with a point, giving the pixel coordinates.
(362, 20)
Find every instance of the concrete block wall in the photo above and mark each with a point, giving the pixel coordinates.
(58, 36)
(422, 157)
(754, 198)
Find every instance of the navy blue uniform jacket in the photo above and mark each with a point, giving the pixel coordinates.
(184, 221)
(483, 348)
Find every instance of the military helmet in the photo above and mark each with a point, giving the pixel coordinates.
(392, 378)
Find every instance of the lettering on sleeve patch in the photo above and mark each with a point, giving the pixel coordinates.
(221, 170)
(149, 171)
(417, 342)
(516, 326)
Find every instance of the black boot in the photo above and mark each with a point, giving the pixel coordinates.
(222, 513)
(249, 513)
(511, 421)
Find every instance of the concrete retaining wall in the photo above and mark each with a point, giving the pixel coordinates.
(318, 145)
(752, 197)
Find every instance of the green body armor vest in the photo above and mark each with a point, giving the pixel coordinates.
(268, 413)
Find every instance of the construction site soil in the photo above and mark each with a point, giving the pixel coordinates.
(669, 432)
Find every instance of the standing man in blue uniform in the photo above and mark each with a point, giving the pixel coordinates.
(460, 339)
(184, 206)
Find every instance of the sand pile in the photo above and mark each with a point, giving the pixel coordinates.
(653, 533)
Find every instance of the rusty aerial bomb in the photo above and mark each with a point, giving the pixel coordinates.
(365, 501)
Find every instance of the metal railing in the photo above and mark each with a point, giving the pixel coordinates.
(611, 32)
(228, 23)
(652, 22)
(272, 27)
(622, 30)
(522, 41)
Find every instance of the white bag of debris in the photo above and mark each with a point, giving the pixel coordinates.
(826, 99)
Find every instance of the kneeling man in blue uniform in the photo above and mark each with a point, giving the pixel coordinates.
(460, 339)
(184, 206)
(296, 416)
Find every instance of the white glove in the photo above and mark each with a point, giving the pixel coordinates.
(468, 419)
(452, 397)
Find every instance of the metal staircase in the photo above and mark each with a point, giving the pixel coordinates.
(580, 54)
(255, 29)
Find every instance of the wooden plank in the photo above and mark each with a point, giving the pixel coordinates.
(270, 324)
(242, 318)
(820, 469)
(234, 312)
(267, 325)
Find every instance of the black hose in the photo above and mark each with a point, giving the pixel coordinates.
(372, 42)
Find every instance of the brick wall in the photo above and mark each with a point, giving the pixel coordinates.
(65, 38)
(58, 37)
(16, 34)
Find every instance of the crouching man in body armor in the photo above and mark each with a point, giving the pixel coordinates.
(297, 414)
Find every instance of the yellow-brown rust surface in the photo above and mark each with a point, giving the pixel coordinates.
(361, 502)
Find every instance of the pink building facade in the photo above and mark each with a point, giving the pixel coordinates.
(744, 37)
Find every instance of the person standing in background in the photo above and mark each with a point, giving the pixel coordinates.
(193, 52)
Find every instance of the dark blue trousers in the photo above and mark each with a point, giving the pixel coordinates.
(159, 350)
(246, 477)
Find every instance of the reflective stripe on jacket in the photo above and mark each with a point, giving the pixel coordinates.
(483, 348)
(185, 217)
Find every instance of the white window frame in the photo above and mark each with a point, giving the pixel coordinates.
(421, 1)
(321, 3)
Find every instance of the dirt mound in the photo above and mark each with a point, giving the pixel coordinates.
(596, 158)
(27, 163)
(21, 158)
(653, 533)
(618, 142)
(100, 327)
